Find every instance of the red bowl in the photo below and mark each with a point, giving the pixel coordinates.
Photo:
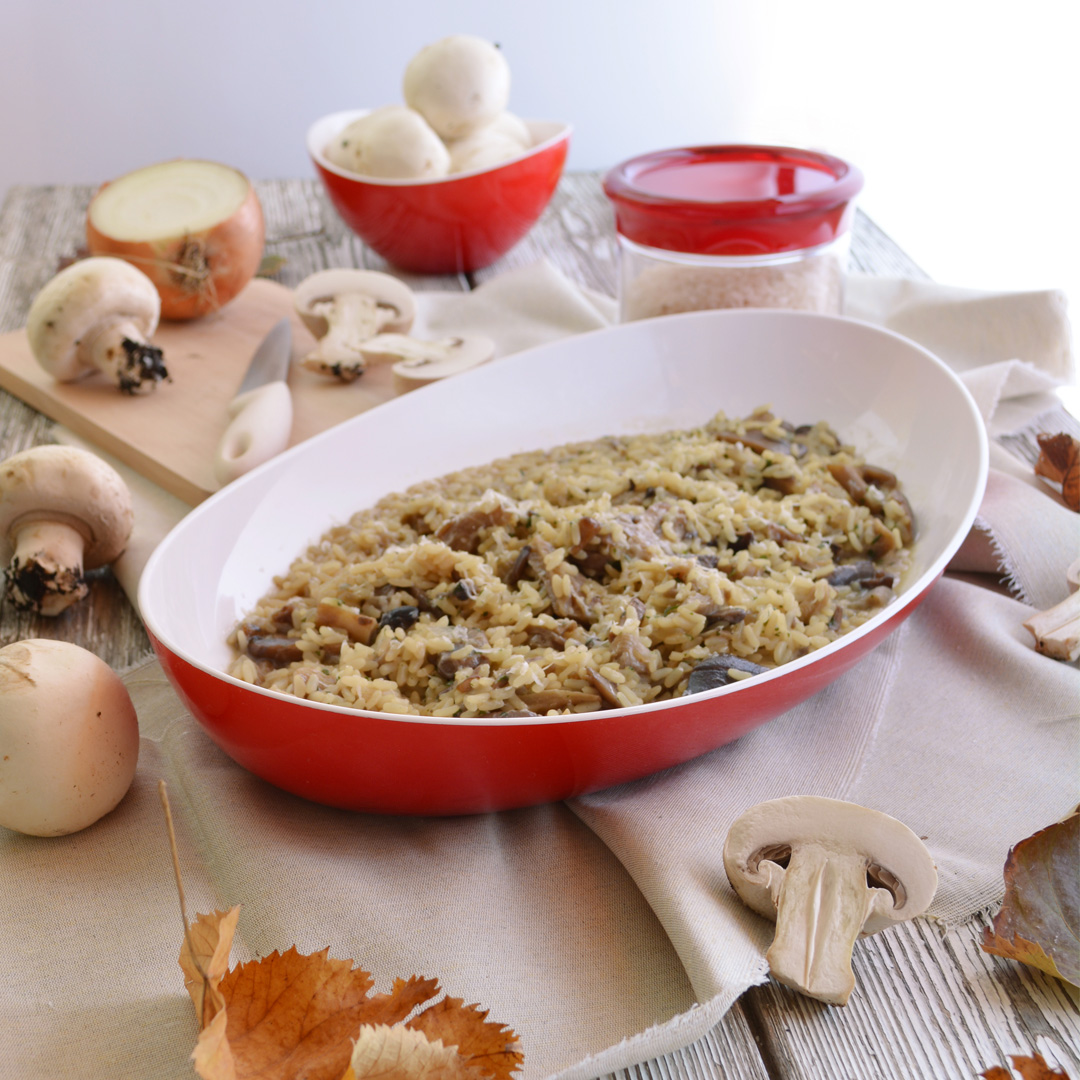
(893, 399)
(452, 225)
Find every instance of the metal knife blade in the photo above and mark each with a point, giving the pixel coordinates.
(260, 416)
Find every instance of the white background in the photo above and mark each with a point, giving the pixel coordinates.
(964, 116)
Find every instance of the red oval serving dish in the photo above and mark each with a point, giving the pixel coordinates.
(899, 404)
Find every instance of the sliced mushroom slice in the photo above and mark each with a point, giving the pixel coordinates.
(423, 362)
(1057, 630)
(720, 670)
(344, 309)
(826, 871)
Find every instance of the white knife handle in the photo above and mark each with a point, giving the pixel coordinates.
(259, 427)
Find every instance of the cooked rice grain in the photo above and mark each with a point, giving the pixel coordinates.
(595, 575)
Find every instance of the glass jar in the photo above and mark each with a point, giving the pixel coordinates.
(732, 226)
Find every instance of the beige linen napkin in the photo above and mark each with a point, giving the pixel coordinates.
(603, 929)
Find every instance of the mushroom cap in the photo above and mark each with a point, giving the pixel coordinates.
(768, 831)
(459, 84)
(69, 738)
(64, 483)
(384, 289)
(79, 302)
(482, 149)
(513, 127)
(393, 142)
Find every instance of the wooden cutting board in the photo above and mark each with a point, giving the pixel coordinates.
(170, 435)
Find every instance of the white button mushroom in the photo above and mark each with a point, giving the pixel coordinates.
(459, 84)
(826, 872)
(394, 142)
(62, 509)
(481, 150)
(98, 315)
(344, 309)
(69, 738)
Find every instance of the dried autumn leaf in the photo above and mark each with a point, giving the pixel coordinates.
(204, 958)
(1039, 920)
(288, 1016)
(486, 1046)
(1029, 1068)
(1059, 461)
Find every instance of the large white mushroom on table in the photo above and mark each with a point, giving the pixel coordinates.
(63, 511)
(98, 314)
(826, 872)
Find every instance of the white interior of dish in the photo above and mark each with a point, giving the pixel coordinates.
(322, 132)
(900, 405)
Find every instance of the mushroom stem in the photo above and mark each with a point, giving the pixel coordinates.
(46, 570)
(1057, 630)
(351, 319)
(124, 355)
(822, 901)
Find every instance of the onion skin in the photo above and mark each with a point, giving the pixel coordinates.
(194, 273)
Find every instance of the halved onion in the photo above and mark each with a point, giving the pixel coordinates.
(195, 228)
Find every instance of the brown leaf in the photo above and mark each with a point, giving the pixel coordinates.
(210, 937)
(491, 1048)
(1059, 461)
(288, 1016)
(1039, 920)
(1029, 1068)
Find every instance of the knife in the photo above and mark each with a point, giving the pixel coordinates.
(260, 416)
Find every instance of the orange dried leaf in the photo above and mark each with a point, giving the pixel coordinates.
(289, 1016)
(1029, 1068)
(491, 1048)
(1039, 920)
(211, 937)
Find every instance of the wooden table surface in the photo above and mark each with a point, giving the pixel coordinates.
(930, 1003)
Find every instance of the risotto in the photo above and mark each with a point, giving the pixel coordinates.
(592, 576)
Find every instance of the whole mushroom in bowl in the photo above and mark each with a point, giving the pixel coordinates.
(459, 84)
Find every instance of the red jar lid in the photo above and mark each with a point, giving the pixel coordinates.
(733, 200)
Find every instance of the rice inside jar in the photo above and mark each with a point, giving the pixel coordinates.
(732, 226)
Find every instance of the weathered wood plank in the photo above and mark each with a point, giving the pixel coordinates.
(928, 1003)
